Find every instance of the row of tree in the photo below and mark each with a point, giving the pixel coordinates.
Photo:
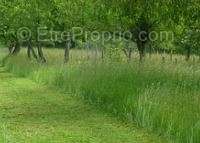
(139, 17)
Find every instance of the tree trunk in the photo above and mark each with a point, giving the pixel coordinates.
(150, 51)
(14, 48)
(188, 53)
(31, 50)
(129, 54)
(142, 54)
(40, 53)
(102, 54)
(67, 49)
(141, 49)
(11, 47)
(171, 55)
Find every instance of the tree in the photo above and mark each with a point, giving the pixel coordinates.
(10, 16)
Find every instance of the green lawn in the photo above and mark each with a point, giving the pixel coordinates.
(31, 113)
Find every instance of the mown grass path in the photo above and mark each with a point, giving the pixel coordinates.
(30, 113)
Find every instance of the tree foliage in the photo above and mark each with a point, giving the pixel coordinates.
(135, 16)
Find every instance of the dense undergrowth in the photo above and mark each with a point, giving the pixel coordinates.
(163, 97)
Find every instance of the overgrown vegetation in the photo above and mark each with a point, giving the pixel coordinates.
(136, 59)
(163, 97)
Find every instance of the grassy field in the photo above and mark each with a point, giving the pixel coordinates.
(32, 113)
(160, 96)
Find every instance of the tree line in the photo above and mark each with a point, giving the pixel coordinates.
(139, 17)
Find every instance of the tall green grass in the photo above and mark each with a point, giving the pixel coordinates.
(3, 53)
(162, 97)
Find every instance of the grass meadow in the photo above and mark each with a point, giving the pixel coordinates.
(161, 96)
